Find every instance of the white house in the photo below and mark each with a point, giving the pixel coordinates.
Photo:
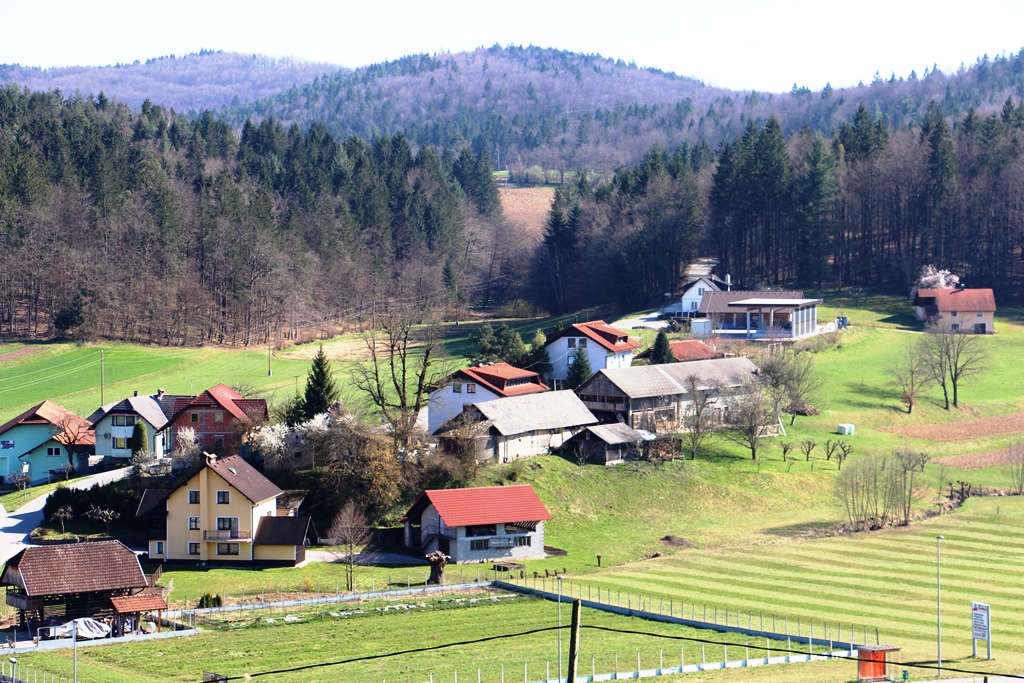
(477, 384)
(481, 524)
(605, 346)
(521, 426)
(686, 304)
(114, 423)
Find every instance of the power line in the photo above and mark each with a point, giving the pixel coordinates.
(390, 654)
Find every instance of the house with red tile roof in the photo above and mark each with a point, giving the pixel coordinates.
(484, 524)
(967, 310)
(114, 423)
(605, 347)
(477, 384)
(684, 350)
(226, 513)
(42, 439)
(218, 416)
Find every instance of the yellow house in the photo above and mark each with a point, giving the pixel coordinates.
(226, 513)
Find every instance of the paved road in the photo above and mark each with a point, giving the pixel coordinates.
(15, 527)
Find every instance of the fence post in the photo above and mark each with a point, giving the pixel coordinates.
(725, 655)
(703, 659)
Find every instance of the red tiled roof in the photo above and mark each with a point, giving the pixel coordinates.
(224, 396)
(483, 505)
(244, 477)
(686, 350)
(76, 568)
(496, 377)
(969, 300)
(601, 332)
(130, 604)
(51, 413)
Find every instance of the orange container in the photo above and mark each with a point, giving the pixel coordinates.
(872, 662)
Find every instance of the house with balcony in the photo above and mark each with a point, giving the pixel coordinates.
(114, 424)
(219, 416)
(227, 513)
(42, 440)
(604, 346)
(477, 384)
(483, 524)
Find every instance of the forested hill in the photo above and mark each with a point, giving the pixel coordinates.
(523, 106)
(563, 110)
(154, 228)
(190, 83)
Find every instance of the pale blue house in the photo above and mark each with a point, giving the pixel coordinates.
(114, 423)
(38, 442)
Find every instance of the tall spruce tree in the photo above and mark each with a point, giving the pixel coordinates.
(140, 437)
(580, 370)
(661, 352)
(320, 391)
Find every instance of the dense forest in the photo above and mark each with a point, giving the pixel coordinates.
(523, 106)
(153, 227)
(867, 206)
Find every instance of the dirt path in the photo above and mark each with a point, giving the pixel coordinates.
(21, 353)
(998, 425)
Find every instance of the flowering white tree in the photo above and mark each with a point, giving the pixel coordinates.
(307, 431)
(186, 448)
(270, 441)
(932, 278)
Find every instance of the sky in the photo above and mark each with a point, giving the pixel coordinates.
(741, 45)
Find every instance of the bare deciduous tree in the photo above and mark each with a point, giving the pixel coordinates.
(787, 446)
(103, 515)
(349, 534)
(70, 431)
(63, 515)
(751, 415)
(806, 446)
(699, 417)
(790, 381)
(908, 373)
(951, 358)
(1016, 457)
(843, 453)
(404, 362)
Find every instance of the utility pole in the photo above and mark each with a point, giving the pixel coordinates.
(101, 377)
(270, 346)
(574, 641)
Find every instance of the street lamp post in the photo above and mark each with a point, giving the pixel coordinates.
(559, 677)
(938, 601)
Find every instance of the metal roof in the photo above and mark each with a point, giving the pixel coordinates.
(775, 302)
(548, 410)
(645, 381)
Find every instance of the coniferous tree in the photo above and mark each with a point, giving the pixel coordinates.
(661, 352)
(815, 213)
(321, 390)
(579, 371)
(140, 437)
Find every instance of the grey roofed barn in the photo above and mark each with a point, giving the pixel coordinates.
(548, 410)
(670, 379)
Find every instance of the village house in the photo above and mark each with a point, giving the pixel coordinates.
(684, 350)
(609, 444)
(507, 429)
(484, 524)
(605, 347)
(686, 304)
(64, 582)
(114, 424)
(959, 309)
(476, 384)
(226, 513)
(219, 416)
(757, 315)
(38, 442)
(655, 397)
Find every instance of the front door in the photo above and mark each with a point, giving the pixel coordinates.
(444, 546)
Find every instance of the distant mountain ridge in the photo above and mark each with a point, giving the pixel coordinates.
(523, 106)
(189, 84)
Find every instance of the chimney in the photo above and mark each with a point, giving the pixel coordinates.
(728, 282)
(136, 393)
(159, 393)
(210, 458)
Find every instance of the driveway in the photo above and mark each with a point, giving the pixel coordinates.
(371, 558)
(15, 527)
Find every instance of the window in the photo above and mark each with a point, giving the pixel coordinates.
(118, 421)
(227, 524)
(583, 343)
(571, 342)
(955, 327)
(218, 417)
(223, 497)
(952, 314)
(227, 548)
(121, 442)
(482, 544)
(457, 388)
(482, 530)
(979, 315)
(193, 523)
(159, 547)
(470, 388)
(522, 541)
(193, 497)
(193, 548)
(54, 451)
(218, 442)
(193, 417)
